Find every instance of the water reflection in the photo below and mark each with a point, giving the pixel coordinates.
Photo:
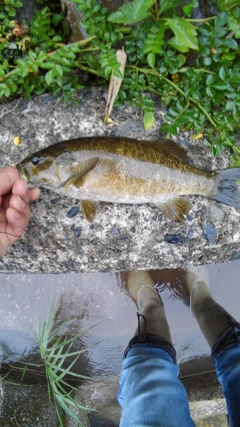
(97, 303)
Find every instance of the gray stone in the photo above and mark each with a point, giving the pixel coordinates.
(49, 242)
(209, 232)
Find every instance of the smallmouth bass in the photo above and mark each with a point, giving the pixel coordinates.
(125, 170)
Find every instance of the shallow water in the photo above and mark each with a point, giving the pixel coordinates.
(97, 301)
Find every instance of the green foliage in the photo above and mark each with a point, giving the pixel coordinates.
(193, 64)
(25, 54)
(55, 350)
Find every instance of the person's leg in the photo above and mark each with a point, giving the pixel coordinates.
(150, 392)
(222, 333)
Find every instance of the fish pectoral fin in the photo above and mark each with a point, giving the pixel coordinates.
(175, 209)
(89, 209)
(80, 171)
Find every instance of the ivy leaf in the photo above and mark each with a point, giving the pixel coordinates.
(141, 6)
(184, 31)
(148, 120)
(124, 15)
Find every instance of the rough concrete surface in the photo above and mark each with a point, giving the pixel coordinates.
(122, 237)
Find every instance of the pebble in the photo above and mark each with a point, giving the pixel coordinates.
(236, 256)
(56, 200)
(216, 213)
(190, 234)
(115, 231)
(174, 239)
(72, 212)
(209, 233)
(78, 231)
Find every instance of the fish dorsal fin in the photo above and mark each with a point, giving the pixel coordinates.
(175, 209)
(89, 209)
(79, 171)
(178, 151)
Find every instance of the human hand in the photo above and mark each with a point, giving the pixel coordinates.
(14, 206)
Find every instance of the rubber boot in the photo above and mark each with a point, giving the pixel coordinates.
(151, 316)
(212, 318)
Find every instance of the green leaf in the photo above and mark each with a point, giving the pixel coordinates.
(184, 32)
(141, 6)
(7, 92)
(229, 56)
(221, 19)
(207, 61)
(174, 42)
(58, 69)
(230, 105)
(148, 120)
(168, 4)
(187, 10)
(50, 76)
(209, 92)
(234, 25)
(151, 59)
(222, 73)
(124, 15)
(23, 71)
(228, 4)
(117, 73)
(48, 65)
(221, 86)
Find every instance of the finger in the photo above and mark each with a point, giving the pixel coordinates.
(19, 205)
(8, 176)
(34, 194)
(18, 222)
(20, 188)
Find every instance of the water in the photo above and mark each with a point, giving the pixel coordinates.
(97, 303)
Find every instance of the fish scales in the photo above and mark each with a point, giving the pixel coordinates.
(124, 170)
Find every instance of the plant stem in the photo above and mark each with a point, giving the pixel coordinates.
(193, 101)
(201, 20)
(88, 69)
(47, 56)
(156, 9)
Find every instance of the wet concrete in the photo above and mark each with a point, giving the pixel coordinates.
(97, 301)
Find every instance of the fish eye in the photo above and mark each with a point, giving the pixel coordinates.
(36, 160)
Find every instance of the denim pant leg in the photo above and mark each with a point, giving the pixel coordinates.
(151, 394)
(227, 366)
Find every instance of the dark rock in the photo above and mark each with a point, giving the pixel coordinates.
(72, 212)
(236, 256)
(56, 200)
(209, 232)
(174, 239)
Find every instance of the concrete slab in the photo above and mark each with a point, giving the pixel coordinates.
(122, 237)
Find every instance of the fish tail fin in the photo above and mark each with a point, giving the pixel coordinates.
(226, 189)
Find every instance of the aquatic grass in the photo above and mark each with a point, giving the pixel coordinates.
(56, 349)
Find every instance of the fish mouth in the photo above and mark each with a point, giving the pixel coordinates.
(23, 173)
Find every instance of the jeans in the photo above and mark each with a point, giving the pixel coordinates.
(151, 394)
